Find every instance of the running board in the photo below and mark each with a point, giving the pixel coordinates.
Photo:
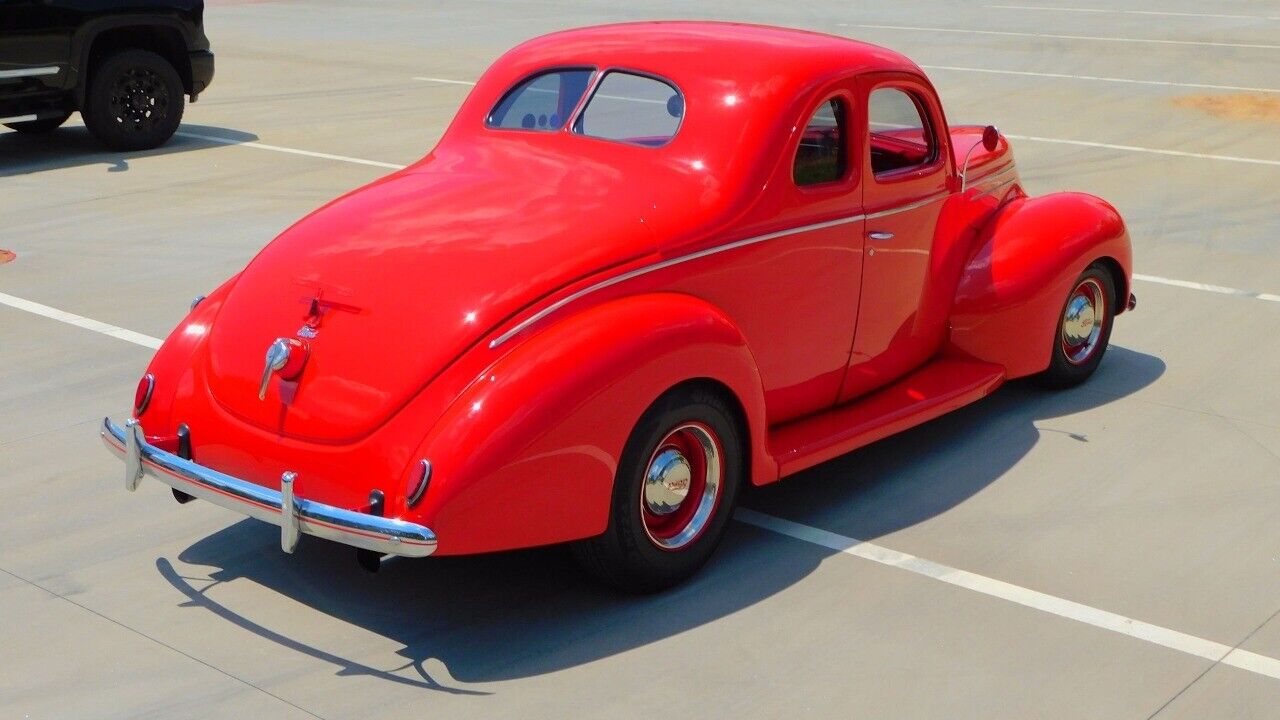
(934, 390)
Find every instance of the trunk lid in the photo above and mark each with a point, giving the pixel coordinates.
(389, 284)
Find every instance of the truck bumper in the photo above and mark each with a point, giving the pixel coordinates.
(201, 71)
(294, 515)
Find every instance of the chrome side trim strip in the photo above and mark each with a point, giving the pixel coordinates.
(909, 206)
(660, 266)
(521, 326)
(28, 72)
(294, 515)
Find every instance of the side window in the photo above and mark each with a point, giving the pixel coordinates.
(901, 137)
(542, 102)
(821, 156)
(632, 108)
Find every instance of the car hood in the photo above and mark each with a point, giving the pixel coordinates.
(389, 284)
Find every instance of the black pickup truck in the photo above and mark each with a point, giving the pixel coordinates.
(125, 65)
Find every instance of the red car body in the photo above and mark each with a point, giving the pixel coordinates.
(507, 307)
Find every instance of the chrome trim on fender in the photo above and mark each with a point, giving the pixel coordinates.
(295, 516)
(28, 72)
(522, 325)
(660, 266)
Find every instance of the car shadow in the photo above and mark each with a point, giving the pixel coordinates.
(522, 614)
(72, 146)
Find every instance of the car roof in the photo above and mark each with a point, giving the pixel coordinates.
(724, 50)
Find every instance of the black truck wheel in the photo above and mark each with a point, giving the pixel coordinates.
(134, 101)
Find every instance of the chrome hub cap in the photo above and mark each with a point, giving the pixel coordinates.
(682, 485)
(1083, 320)
(667, 483)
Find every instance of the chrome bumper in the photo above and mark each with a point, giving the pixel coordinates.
(294, 515)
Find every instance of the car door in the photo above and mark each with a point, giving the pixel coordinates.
(35, 39)
(904, 185)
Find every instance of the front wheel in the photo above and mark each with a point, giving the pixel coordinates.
(134, 101)
(1084, 330)
(674, 492)
(41, 126)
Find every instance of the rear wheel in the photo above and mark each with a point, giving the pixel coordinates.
(674, 492)
(1084, 330)
(41, 126)
(134, 101)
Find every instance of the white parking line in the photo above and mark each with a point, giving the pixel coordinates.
(1163, 83)
(1202, 43)
(1163, 13)
(1151, 151)
(291, 151)
(80, 321)
(1221, 290)
(1155, 634)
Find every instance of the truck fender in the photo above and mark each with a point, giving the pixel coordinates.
(1011, 292)
(527, 454)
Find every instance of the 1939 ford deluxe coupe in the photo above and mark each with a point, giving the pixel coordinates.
(646, 265)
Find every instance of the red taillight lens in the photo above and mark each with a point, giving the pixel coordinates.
(142, 396)
(418, 483)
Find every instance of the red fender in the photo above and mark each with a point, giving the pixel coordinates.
(172, 365)
(528, 452)
(1012, 291)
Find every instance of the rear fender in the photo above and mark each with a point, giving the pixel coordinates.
(1011, 293)
(527, 454)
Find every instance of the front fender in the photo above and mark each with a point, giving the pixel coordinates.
(1012, 291)
(526, 455)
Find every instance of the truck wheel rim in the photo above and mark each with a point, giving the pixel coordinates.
(681, 486)
(139, 99)
(1082, 321)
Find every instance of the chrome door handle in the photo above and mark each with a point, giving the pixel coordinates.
(879, 236)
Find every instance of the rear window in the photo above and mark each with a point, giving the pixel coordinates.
(542, 102)
(632, 108)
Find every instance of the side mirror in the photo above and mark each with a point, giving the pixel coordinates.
(990, 137)
(990, 140)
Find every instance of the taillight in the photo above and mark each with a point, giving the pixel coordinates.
(142, 396)
(418, 483)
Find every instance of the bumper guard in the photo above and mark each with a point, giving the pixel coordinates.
(294, 515)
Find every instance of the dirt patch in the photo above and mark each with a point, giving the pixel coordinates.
(1239, 106)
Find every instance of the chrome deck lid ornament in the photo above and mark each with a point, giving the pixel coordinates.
(277, 357)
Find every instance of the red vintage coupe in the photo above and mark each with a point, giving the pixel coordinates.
(646, 265)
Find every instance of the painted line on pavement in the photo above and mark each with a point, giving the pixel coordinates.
(1164, 13)
(1101, 38)
(291, 151)
(80, 321)
(1098, 78)
(1069, 609)
(1221, 290)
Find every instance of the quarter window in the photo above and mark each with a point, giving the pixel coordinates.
(632, 108)
(901, 136)
(542, 102)
(821, 156)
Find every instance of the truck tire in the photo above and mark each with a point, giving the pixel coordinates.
(39, 127)
(134, 100)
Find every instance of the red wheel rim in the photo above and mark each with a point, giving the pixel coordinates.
(1082, 321)
(681, 486)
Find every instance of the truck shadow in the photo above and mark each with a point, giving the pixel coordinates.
(522, 614)
(72, 146)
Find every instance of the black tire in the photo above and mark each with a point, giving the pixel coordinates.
(1073, 363)
(627, 556)
(39, 127)
(134, 101)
